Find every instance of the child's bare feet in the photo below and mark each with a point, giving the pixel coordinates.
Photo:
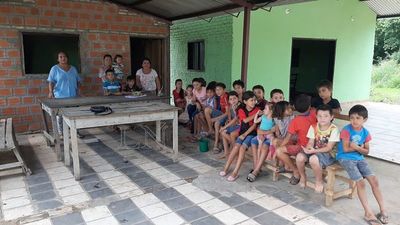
(319, 187)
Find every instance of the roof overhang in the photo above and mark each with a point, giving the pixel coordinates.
(384, 8)
(183, 10)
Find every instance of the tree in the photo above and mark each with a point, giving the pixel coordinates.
(387, 40)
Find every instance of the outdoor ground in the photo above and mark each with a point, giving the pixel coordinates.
(141, 185)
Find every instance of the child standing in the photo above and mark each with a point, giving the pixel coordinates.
(246, 114)
(322, 137)
(111, 86)
(298, 126)
(354, 144)
(324, 89)
(230, 131)
(179, 95)
(259, 92)
(118, 67)
(130, 85)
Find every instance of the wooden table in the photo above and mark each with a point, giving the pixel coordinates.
(52, 107)
(123, 113)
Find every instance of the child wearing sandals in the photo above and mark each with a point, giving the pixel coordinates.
(246, 114)
(322, 137)
(354, 144)
(230, 131)
(298, 126)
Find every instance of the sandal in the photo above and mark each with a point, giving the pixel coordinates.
(251, 177)
(383, 218)
(232, 178)
(283, 170)
(372, 221)
(294, 180)
(216, 150)
(222, 173)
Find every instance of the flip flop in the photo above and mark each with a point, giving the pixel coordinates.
(372, 221)
(294, 180)
(216, 150)
(251, 177)
(222, 174)
(232, 178)
(383, 218)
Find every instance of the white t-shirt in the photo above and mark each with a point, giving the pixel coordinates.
(322, 137)
(148, 81)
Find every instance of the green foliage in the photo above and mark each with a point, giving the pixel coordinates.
(387, 40)
(386, 74)
(387, 95)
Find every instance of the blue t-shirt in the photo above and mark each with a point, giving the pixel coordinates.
(359, 137)
(111, 86)
(65, 83)
(266, 123)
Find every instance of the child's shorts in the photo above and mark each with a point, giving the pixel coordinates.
(357, 169)
(215, 113)
(293, 149)
(223, 120)
(232, 129)
(246, 141)
(254, 141)
(325, 159)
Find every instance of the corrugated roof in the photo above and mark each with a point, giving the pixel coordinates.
(384, 8)
(173, 10)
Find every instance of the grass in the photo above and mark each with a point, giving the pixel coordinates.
(386, 95)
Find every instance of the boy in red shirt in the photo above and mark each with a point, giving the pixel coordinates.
(298, 126)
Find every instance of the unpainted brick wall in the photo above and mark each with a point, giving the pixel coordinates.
(103, 28)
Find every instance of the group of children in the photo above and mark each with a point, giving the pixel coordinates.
(113, 76)
(277, 130)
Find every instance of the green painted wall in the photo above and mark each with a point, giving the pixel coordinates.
(349, 22)
(217, 36)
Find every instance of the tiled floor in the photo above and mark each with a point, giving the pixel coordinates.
(141, 185)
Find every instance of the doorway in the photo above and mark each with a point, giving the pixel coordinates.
(312, 61)
(153, 49)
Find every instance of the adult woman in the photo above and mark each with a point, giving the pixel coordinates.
(147, 78)
(63, 82)
(107, 64)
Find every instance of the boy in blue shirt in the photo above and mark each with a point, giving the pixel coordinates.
(354, 144)
(110, 85)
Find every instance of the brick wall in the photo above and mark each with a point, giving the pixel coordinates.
(217, 36)
(102, 27)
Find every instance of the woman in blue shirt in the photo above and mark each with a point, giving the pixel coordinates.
(63, 79)
(63, 83)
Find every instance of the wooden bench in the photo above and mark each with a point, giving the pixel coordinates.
(8, 143)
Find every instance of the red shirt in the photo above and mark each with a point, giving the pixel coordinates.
(176, 95)
(223, 102)
(300, 125)
(242, 116)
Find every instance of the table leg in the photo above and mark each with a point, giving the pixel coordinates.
(67, 156)
(75, 153)
(175, 136)
(56, 135)
(158, 131)
(46, 126)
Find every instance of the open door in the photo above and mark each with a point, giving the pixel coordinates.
(312, 61)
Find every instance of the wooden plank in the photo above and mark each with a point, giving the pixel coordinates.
(9, 132)
(49, 137)
(97, 100)
(10, 165)
(67, 156)
(2, 134)
(11, 171)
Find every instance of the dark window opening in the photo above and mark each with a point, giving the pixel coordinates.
(312, 60)
(196, 55)
(41, 49)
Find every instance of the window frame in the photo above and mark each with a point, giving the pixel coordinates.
(201, 56)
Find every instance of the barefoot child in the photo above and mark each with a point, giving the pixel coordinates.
(354, 144)
(179, 95)
(219, 115)
(246, 114)
(322, 137)
(230, 131)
